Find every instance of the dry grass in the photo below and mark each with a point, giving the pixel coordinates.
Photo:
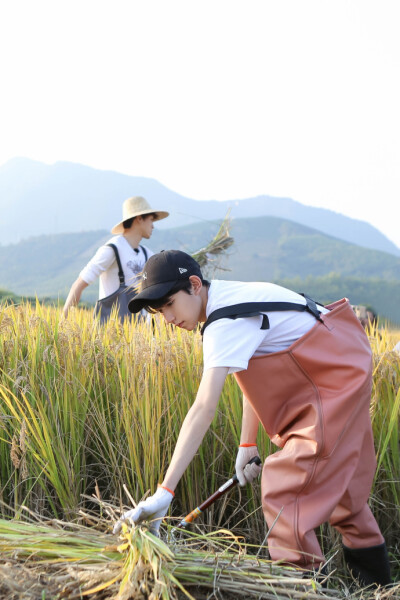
(63, 560)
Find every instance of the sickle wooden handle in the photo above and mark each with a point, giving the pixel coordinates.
(228, 485)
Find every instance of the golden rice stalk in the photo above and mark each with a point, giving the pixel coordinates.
(78, 562)
(55, 559)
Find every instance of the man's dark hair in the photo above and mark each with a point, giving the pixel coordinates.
(128, 223)
(185, 285)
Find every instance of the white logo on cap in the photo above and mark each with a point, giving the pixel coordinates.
(181, 270)
(145, 275)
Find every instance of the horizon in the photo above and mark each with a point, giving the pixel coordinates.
(164, 225)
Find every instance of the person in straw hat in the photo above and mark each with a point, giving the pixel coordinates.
(137, 223)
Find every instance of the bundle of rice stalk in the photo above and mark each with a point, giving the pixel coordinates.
(206, 257)
(75, 561)
(39, 560)
(55, 559)
(219, 563)
(217, 246)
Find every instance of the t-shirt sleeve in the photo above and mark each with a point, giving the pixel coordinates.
(232, 342)
(100, 262)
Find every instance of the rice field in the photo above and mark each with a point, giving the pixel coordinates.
(89, 417)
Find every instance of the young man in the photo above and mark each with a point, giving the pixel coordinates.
(137, 223)
(305, 373)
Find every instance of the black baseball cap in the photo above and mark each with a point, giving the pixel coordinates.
(161, 272)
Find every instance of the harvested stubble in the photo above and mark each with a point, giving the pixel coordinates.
(62, 560)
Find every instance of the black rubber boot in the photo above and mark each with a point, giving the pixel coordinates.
(369, 565)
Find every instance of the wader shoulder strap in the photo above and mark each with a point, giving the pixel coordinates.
(120, 271)
(253, 309)
(144, 252)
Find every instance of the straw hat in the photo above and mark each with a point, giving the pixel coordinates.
(135, 206)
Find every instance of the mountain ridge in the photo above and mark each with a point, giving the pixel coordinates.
(265, 248)
(42, 199)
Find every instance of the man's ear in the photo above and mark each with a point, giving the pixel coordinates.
(197, 284)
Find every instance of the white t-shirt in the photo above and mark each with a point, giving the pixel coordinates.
(232, 342)
(104, 265)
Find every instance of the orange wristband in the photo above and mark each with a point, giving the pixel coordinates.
(165, 488)
(246, 445)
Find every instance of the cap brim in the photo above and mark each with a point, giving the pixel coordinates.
(153, 292)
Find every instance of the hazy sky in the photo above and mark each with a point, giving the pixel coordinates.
(217, 99)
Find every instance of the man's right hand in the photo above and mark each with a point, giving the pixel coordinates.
(247, 473)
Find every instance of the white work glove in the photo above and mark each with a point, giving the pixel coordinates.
(153, 509)
(247, 473)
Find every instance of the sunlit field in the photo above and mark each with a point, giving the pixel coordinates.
(89, 418)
